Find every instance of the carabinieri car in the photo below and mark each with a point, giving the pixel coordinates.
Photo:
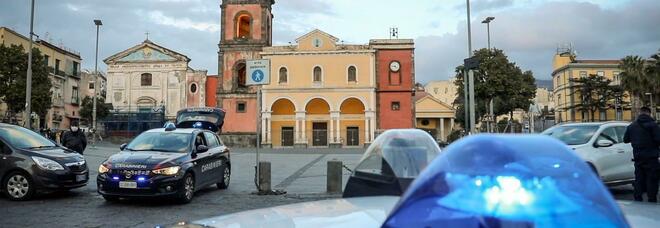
(166, 162)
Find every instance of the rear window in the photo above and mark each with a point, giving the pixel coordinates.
(572, 135)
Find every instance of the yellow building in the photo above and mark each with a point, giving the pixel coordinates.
(444, 90)
(566, 66)
(321, 94)
(65, 77)
(434, 116)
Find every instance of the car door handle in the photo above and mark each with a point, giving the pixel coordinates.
(620, 151)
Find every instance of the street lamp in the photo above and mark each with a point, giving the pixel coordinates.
(487, 22)
(491, 112)
(654, 114)
(28, 87)
(468, 81)
(98, 24)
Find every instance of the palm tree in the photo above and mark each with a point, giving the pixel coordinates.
(633, 79)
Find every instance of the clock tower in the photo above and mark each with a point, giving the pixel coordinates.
(246, 30)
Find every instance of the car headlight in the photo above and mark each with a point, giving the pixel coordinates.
(47, 164)
(169, 171)
(103, 169)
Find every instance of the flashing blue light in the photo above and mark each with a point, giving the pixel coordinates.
(197, 125)
(490, 180)
(141, 179)
(115, 178)
(169, 126)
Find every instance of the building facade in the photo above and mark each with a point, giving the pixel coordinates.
(434, 116)
(321, 94)
(443, 90)
(395, 77)
(566, 66)
(150, 78)
(246, 30)
(88, 86)
(64, 65)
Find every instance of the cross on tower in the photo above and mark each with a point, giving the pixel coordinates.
(147, 34)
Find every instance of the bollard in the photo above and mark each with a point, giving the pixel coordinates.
(334, 177)
(264, 177)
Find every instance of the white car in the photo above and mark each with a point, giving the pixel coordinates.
(601, 146)
(480, 181)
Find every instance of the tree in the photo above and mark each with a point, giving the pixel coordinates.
(497, 79)
(13, 75)
(633, 79)
(595, 94)
(102, 109)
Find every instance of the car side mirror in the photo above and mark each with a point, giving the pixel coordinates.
(202, 149)
(604, 143)
(122, 146)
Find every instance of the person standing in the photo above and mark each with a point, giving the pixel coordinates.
(644, 134)
(74, 139)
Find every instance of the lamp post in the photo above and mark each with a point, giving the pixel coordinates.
(469, 82)
(98, 24)
(28, 88)
(653, 111)
(491, 113)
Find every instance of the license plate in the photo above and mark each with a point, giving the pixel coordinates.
(80, 178)
(127, 184)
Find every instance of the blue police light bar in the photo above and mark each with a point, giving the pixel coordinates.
(507, 181)
(197, 125)
(141, 178)
(169, 126)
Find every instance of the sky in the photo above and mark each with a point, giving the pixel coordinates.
(529, 31)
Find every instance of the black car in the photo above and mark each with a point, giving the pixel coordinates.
(30, 163)
(166, 162)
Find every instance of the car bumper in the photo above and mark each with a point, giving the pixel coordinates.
(155, 186)
(60, 180)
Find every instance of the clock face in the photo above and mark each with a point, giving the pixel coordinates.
(395, 66)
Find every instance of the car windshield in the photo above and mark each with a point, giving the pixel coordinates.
(400, 153)
(161, 142)
(23, 138)
(198, 116)
(572, 135)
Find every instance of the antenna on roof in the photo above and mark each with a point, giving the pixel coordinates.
(394, 33)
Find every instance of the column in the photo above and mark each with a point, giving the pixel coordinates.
(300, 128)
(334, 131)
(442, 129)
(451, 124)
(369, 126)
(269, 131)
(296, 131)
(263, 128)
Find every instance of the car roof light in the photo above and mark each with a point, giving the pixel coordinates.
(169, 126)
(197, 125)
(493, 180)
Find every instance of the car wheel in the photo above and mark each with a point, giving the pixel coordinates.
(188, 191)
(226, 177)
(110, 198)
(18, 186)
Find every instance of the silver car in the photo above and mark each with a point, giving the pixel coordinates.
(601, 146)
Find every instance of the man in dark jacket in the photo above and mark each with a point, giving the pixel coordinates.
(74, 139)
(644, 134)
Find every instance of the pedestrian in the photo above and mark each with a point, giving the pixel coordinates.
(74, 139)
(644, 134)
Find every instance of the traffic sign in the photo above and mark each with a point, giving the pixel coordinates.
(258, 72)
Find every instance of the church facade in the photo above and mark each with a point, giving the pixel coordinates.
(151, 78)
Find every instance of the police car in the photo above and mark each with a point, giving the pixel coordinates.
(166, 162)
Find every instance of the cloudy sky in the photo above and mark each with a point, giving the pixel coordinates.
(528, 30)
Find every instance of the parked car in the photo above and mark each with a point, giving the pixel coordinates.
(601, 146)
(31, 163)
(166, 162)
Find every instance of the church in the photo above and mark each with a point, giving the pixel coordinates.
(149, 78)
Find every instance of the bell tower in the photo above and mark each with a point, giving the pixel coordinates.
(246, 28)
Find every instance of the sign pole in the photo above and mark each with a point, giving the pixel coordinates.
(258, 74)
(258, 136)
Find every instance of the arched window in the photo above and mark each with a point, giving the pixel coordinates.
(145, 79)
(317, 74)
(241, 74)
(284, 75)
(243, 26)
(352, 74)
(193, 88)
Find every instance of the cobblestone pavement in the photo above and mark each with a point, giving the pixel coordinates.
(300, 172)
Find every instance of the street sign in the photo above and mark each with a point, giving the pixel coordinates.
(258, 72)
(471, 63)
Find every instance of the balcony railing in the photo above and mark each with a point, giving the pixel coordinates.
(75, 100)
